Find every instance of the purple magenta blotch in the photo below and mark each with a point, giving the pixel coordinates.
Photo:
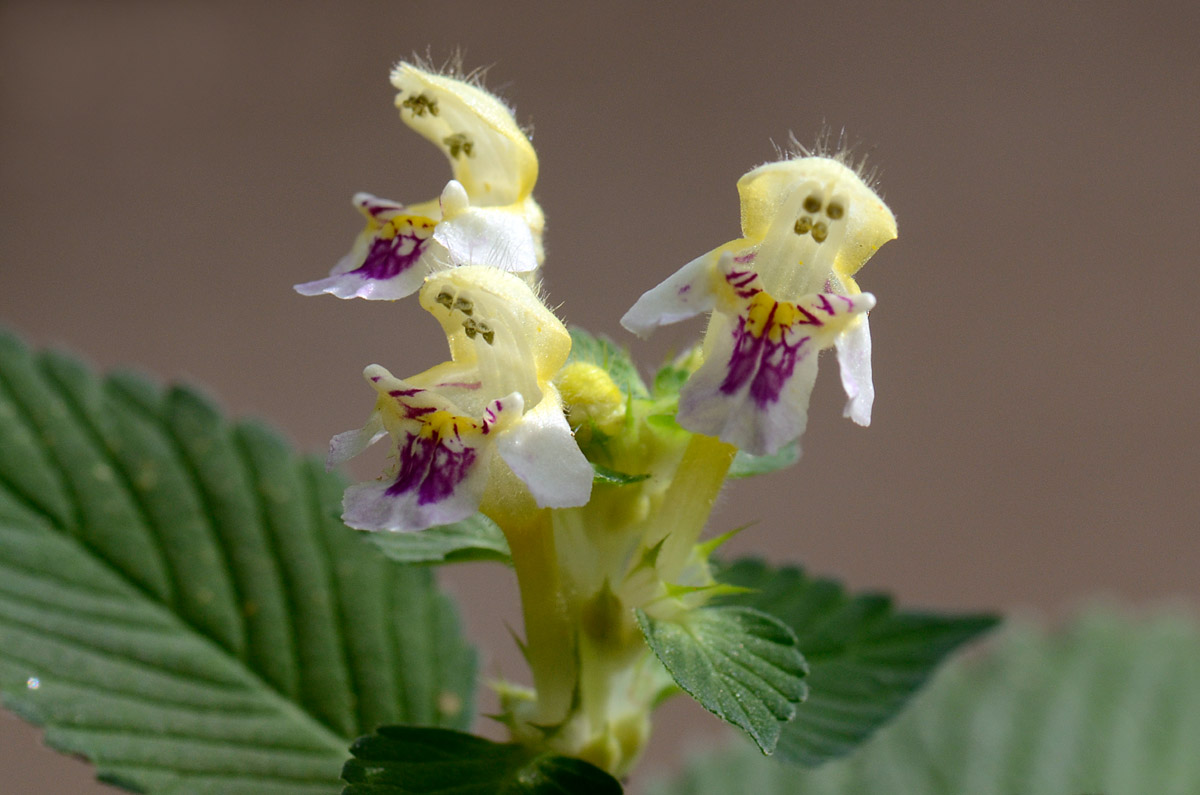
(449, 468)
(387, 259)
(415, 455)
(765, 364)
(431, 468)
(778, 361)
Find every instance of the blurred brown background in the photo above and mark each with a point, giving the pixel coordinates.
(169, 170)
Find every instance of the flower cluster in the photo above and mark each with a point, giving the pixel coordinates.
(600, 484)
(494, 397)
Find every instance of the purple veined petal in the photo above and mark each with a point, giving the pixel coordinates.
(688, 292)
(742, 280)
(347, 445)
(542, 452)
(503, 413)
(496, 237)
(375, 209)
(753, 395)
(854, 362)
(440, 479)
(441, 465)
(386, 263)
(759, 368)
(402, 402)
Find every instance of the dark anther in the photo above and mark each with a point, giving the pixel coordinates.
(420, 104)
(471, 327)
(812, 204)
(459, 144)
(465, 306)
(445, 299)
(803, 224)
(835, 210)
(820, 231)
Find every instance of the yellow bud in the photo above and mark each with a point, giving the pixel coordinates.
(592, 398)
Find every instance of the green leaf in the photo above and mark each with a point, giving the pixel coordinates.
(866, 658)
(474, 538)
(403, 760)
(669, 379)
(741, 664)
(607, 355)
(180, 603)
(1110, 705)
(612, 477)
(746, 465)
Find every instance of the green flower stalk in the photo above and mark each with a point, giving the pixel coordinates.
(601, 486)
(633, 546)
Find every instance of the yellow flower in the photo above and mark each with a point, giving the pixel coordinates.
(493, 398)
(486, 215)
(779, 295)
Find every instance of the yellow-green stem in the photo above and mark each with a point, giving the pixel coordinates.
(691, 496)
(549, 635)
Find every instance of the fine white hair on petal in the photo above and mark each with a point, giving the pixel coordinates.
(485, 236)
(825, 145)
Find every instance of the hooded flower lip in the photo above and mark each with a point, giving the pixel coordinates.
(490, 155)
(486, 215)
(779, 295)
(448, 423)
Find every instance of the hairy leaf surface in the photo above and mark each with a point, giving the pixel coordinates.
(742, 665)
(180, 603)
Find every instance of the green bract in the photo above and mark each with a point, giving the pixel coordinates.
(741, 664)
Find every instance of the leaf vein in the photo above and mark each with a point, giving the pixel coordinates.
(337, 622)
(190, 677)
(102, 450)
(204, 500)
